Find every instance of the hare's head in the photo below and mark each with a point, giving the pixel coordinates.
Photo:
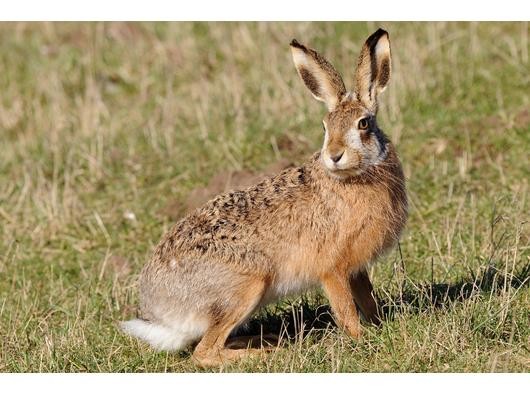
(352, 141)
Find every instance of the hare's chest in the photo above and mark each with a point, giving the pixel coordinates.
(368, 237)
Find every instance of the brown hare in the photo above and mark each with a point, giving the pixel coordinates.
(320, 224)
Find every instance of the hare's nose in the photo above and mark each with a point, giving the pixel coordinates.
(336, 158)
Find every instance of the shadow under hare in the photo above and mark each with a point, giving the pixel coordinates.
(320, 224)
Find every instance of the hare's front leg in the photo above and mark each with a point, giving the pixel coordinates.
(362, 291)
(337, 288)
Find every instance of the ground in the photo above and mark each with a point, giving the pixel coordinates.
(110, 131)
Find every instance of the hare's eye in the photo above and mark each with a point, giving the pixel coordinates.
(363, 124)
(323, 127)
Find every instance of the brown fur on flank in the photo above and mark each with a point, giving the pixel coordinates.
(319, 224)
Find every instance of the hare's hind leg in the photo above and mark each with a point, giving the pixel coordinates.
(362, 290)
(211, 350)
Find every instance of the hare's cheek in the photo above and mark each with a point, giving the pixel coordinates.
(371, 151)
(366, 137)
(352, 140)
(354, 143)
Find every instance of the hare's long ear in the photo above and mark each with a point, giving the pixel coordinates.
(373, 70)
(318, 74)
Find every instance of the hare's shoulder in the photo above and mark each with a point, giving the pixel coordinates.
(271, 191)
(232, 217)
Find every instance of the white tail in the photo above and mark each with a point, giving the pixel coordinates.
(159, 336)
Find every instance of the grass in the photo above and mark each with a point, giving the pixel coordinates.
(104, 126)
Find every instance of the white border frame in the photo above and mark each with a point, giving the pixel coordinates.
(265, 384)
(266, 10)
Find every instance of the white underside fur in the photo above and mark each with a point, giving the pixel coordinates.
(162, 337)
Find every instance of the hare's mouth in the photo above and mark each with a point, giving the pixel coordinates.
(342, 169)
(343, 173)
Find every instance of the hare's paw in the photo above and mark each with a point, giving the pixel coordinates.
(218, 357)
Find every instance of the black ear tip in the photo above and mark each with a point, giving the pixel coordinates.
(380, 32)
(374, 38)
(296, 44)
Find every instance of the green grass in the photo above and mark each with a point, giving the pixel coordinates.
(98, 121)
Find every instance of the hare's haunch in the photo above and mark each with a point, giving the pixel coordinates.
(320, 224)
